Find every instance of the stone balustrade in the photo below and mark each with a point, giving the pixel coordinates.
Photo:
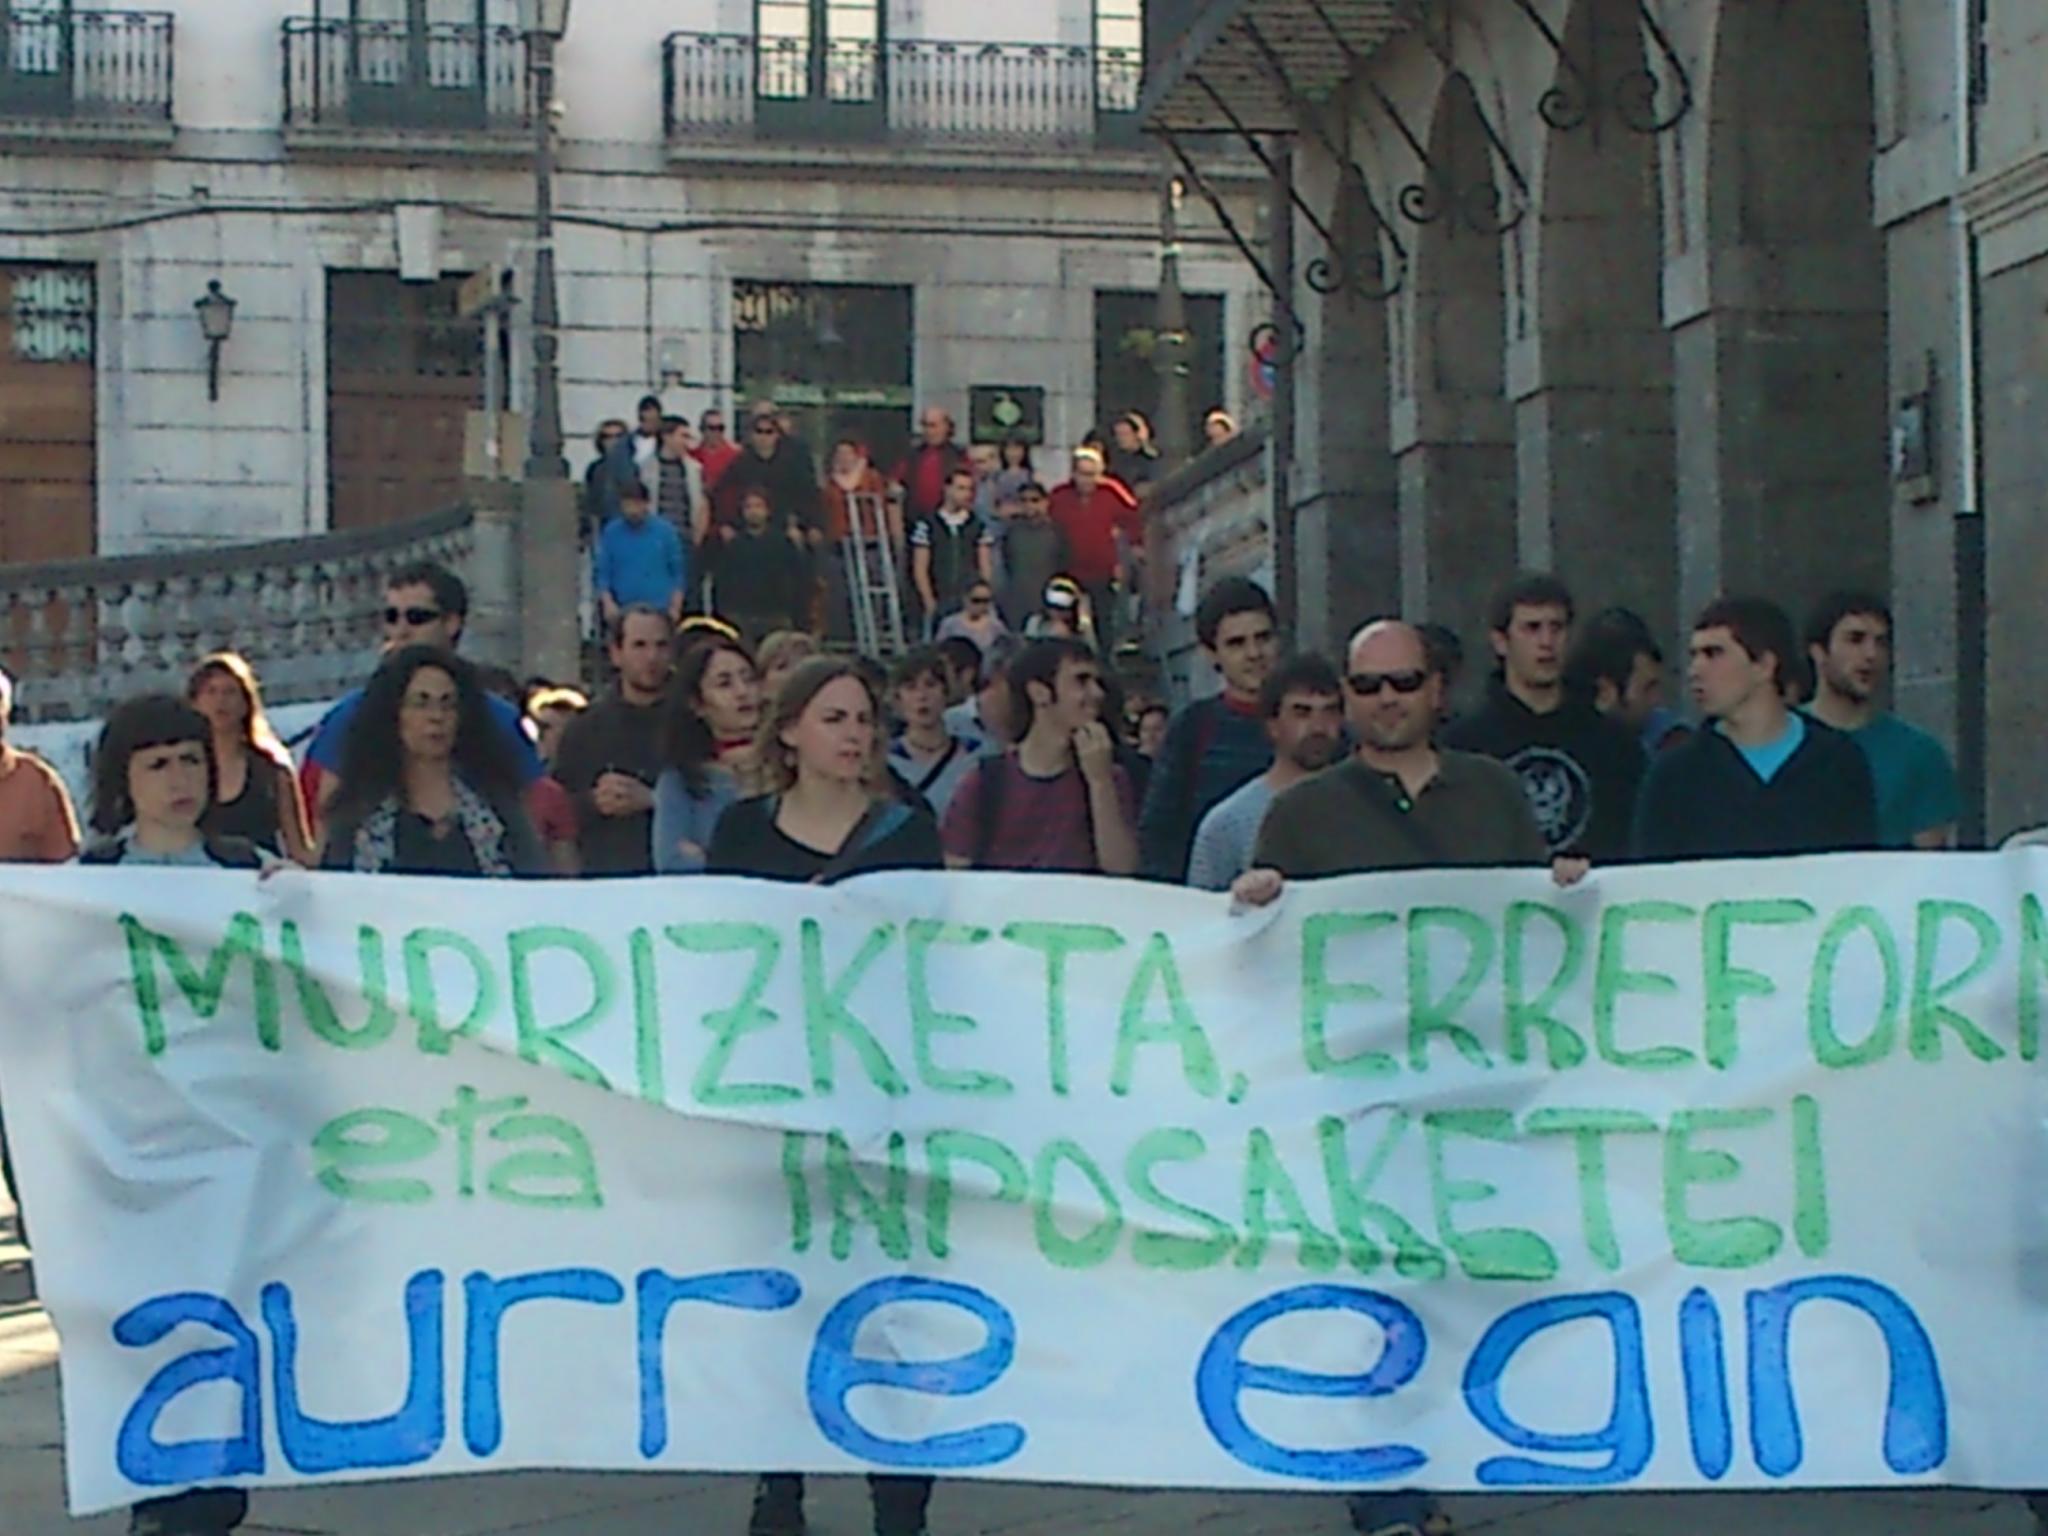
(80, 635)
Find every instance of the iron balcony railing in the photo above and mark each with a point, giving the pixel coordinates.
(393, 75)
(101, 66)
(727, 86)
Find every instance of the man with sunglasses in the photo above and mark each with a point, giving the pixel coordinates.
(780, 467)
(1397, 803)
(714, 451)
(424, 604)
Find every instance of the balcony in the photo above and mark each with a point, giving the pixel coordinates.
(938, 100)
(88, 79)
(355, 87)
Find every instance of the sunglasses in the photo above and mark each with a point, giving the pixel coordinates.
(763, 428)
(1368, 684)
(412, 616)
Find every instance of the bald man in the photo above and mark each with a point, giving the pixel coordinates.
(1399, 802)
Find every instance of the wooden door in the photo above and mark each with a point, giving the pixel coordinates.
(403, 372)
(46, 413)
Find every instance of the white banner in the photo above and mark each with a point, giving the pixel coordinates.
(1724, 1175)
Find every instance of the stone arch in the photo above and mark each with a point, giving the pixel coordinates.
(1454, 437)
(1782, 375)
(1593, 386)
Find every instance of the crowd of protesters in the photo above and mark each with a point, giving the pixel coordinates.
(682, 519)
(731, 736)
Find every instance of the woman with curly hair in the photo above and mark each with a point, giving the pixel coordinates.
(427, 785)
(256, 796)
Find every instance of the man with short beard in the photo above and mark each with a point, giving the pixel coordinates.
(1302, 705)
(610, 754)
(1759, 779)
(1849, 639)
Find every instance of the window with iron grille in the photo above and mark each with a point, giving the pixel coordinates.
(52, 310)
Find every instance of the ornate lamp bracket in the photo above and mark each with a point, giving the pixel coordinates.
(1287, 344)
(1634, 96)
(1325, 273)
(1352, 265)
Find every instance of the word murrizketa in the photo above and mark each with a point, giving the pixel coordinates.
(1647, 986)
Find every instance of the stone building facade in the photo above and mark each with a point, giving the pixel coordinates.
(912, 198)
(1674, 296)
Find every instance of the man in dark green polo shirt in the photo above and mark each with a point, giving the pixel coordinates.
(1398, 803)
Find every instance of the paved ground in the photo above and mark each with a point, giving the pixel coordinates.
(31, 1499)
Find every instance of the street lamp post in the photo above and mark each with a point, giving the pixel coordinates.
(547, 541)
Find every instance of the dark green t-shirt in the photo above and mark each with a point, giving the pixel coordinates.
(1354, 820)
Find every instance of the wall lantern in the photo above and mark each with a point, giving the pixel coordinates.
(216, 322)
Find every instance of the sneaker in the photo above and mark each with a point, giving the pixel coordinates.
(778, 1507)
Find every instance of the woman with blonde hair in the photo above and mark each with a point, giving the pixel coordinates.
(256, 794)
(781, 654)
(823, 820)
(825, 815)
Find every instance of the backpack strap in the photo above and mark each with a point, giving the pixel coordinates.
(988, 810)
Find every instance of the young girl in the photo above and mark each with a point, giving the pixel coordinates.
(153, 781)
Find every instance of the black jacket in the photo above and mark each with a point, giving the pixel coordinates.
(611, 736)
(1702, 800)
(1579, 769)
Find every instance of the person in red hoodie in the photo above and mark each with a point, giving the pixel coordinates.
(1093, 512)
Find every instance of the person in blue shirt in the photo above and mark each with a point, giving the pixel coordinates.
(639, 559)
(1849, 640)
(424, 604)
(1759, 779)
